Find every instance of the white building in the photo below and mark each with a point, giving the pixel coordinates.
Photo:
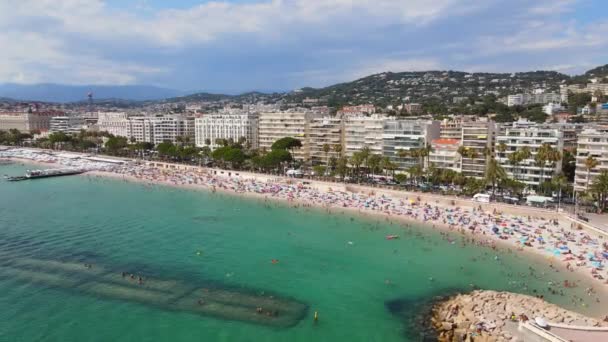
(363, 131)
(408, 135)
(209, 128)
(26, 121)
(114, 123)
(526, 99)
(478, 139)
(524, 134)
(515, 100)
(592, 142)
(273, 126)
(444, 154)
(552, 108)
(325, 131)
(66, 124)
(152, 129)
(159, 129)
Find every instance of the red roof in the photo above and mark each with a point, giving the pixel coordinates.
(446, 141)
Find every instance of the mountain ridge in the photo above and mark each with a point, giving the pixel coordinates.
(381, 88)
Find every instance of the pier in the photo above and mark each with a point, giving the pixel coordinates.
(35, 174)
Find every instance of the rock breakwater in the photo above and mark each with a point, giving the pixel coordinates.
(494, 316)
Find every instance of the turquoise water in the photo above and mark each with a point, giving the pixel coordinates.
(365, 291)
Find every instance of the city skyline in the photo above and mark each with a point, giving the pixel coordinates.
(236, 46)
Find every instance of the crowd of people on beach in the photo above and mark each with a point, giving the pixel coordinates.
(562, 242)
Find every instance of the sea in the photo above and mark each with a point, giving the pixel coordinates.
(337, 267)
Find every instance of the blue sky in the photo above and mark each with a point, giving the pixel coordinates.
(235, 46)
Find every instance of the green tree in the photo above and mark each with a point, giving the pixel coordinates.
(319, 170)
(373, 163)
(116, 144)
(166, 149)
(590, 164)
(494, 173)
(569, 165)
(342, 167)
(600, 188)
(326, 148)
(287, 143)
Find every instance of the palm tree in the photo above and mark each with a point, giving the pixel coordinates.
(373, 163)
(559, 181)
(540, 160)
(415, 172)
(338, 149)
(590, 163)
(387, 165)
(514, 160)
(600, 188)
(326, 148)
(502, 147)
(494, 173)
(357, 160)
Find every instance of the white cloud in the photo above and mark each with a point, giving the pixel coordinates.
(89, 41)
(35, 58)
(546, 35)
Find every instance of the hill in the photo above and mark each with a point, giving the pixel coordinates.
(601, 73)
(442, 86)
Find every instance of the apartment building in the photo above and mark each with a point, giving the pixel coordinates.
(444, 154)
(477, 139)
(526, 99)
(273, 126)
(325, 131)
(592, 142)
(158, 129)
(408, 135)
(357, 110)
(115, 123)
(211, 127)
(519, 134)
(152, 129)
(27, 121)
(363, 131)
(66, 124)
(451, 128)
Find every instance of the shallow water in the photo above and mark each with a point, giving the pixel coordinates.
(366, 290)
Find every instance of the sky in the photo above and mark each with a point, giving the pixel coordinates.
(278, 45)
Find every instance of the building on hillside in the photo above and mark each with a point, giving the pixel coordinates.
(325, 131)
(444, 154)
(408, 135)
(360, 110)
(273, 126)
(363, 131)
(211, 127)
(552, 108)
(27, 121)
(67, 124)
(412, 108)
(525, 134)
(478, 139)
(527, 99)
(592, 142)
